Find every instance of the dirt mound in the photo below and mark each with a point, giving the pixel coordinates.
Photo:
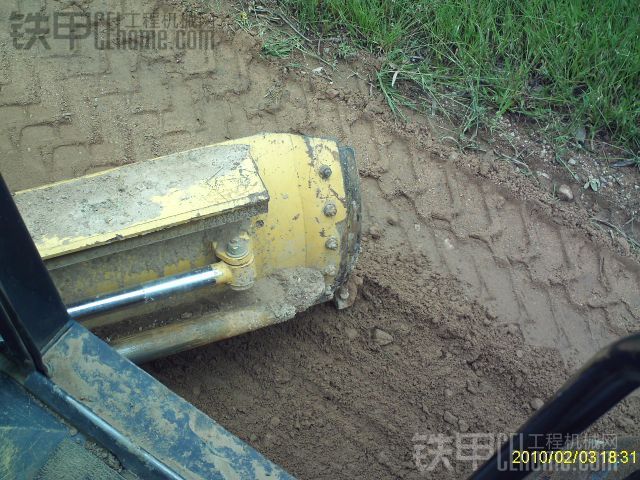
(348, 394)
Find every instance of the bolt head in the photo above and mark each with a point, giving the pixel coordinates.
(343, 293)
(330, 210)
(237, 248)
(325, 171)
(331, 243)
(330, 270)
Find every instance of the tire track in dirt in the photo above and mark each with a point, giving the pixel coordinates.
(487, 289)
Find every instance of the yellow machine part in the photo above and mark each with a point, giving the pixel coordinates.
(294, 198)
(306, 211)
(140, 199)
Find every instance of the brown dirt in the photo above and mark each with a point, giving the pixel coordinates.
(491, 290)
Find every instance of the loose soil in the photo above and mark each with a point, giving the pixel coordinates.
(480, 292)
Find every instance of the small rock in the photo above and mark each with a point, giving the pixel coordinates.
(448, 392)
(625, 423)
(403, 328)
(351, 333)
(581, 135)
(374, 231)
(463, 426)
(573, 162)
(269, 440)
(383, 458)
(471, 387)
(564, 193)
(536, 403)
(283, 376)
(275, 421)
(519, 353)
(374, 108)
(449, 418)
(544, 180)
(624, 245)
(332, 93)
(186, 315)
(381, 337)
(484, 169)
(392, 220)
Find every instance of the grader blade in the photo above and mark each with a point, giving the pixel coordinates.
(175, 252)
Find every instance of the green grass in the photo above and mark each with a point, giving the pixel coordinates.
(567, 64)
(280, 45)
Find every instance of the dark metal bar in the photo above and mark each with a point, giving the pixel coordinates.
(609, 377)
(11, 342)
(147, 292)
(32, 308)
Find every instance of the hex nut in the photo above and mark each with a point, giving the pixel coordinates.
(330, 270)
(325, 171)
(330, 210)
(237, 248)
(331, 243)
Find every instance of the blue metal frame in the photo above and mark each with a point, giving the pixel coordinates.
(142, 422)
(70, 379)
(31, 306)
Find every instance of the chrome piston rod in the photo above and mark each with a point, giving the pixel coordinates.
(147, 292)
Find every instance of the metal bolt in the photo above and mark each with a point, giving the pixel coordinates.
(325, 171)
(330, 270)
(343, 293)
(330, 210)
(331, 243)
(237, 248)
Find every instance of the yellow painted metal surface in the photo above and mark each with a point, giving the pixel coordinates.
(306, 223)
(140, 198)
(295, 229)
